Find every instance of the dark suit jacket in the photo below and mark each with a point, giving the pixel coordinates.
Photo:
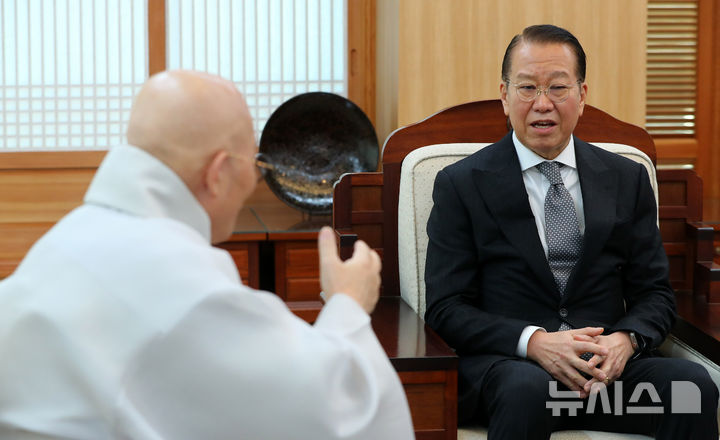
(487, 276)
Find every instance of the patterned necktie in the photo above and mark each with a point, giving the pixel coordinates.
(562, 231)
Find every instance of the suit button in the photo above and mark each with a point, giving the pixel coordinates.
(563, 313)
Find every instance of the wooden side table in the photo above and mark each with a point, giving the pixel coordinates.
(244, 247)
(426, 365)
(291, 240)
(293, 236)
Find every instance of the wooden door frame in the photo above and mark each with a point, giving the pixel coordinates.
(703, 149)
(708, 98)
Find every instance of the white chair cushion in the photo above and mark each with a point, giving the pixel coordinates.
(417, 177)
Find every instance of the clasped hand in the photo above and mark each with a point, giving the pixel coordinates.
(559, 354)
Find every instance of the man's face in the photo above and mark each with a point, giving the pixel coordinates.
(244, 177)
(542, 125)
(247, 174)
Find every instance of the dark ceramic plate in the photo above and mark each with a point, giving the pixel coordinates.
(311, 140)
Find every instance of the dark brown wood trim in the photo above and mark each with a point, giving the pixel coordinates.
(156, 36)
(698, 325)
(708, 97)
(372, 217)
(451, 400)
(28, 160)
(280, 270)
(305, 310)
(361, 54)
(676, 149)
(341, 218)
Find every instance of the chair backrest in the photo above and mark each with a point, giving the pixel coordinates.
(417, 177)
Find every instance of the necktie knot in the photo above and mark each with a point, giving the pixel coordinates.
(551, 170)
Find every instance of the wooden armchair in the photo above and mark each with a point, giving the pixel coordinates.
(366, 207)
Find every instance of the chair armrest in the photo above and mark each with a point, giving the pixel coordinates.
(427, 367)
(677, 348)
(706, 273)
(702, 236)
(707, 281)
(673, 346)
(346, 242)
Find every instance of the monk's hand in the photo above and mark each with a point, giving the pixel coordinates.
(619, 351)
(559, 354)
(358, 277)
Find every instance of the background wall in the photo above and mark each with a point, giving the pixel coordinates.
(450, 52)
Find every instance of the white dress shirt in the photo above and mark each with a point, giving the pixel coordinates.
(537, 185)
(123, 322)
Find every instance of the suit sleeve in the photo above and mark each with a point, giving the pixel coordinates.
(451, 272)
(649, 298)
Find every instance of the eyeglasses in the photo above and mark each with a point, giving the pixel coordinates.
(260, 161)
(263, 165)
(556, 93)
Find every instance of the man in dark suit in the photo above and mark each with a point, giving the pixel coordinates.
(545, 267)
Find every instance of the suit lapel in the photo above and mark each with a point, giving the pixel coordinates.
(499, 180)
(599, 190)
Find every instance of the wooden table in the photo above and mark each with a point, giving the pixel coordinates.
(275, 249)
(244, 247)
(292, 237)
(426, 365)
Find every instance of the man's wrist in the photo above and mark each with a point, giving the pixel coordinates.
(633, 342)
(534, 342)
(522, 347)
(636, 343)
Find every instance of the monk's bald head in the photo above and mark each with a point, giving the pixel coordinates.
(184, 117)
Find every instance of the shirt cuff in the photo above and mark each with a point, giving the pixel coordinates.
(342, 313)
(527, 332)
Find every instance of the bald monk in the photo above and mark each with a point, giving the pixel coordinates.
(124, 322)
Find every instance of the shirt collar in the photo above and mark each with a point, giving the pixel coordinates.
(133, 181)
(529, 159)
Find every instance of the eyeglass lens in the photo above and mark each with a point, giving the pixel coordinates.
(555, 92)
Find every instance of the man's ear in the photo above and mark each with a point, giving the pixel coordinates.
(583, 97)
(214, 179)
(503, 97)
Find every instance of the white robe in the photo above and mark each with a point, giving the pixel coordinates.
(123, 322)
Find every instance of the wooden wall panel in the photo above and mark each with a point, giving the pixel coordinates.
(451, 52)
(386, 81)
(361, 54)
(31, 201)
(708, 111)
(41, 195)
(156, 36)
(15, 240)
